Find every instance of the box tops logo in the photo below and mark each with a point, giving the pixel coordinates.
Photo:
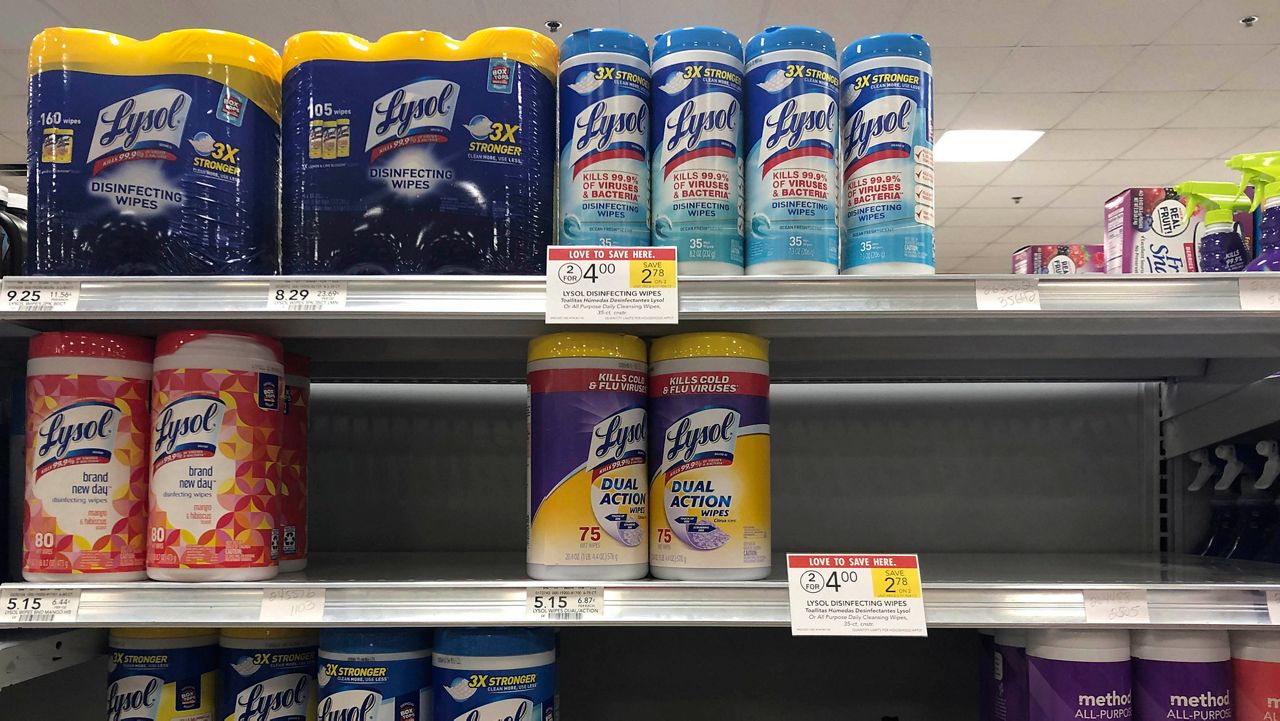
(420, 112)
(74, 434)
(146, 126)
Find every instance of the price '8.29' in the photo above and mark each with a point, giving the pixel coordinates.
(294, 294)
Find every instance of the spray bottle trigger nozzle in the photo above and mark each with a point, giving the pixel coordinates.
(1271, 470)
(1205, 472)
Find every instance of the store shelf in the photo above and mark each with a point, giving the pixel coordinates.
(451, 327)
(960, 590)
(29, 654)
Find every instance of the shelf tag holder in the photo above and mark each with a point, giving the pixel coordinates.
(548, 604)
(612, 284)
(292, 605)
(1014, 293)
(22, 606)
(40, 295)
(842, 594)
(1124, 606)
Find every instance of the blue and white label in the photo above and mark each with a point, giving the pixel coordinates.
(604, 150)
(268, 684)
(374, 687)
(515, 688)
(887, 141)
(697, 157)
(793, 191)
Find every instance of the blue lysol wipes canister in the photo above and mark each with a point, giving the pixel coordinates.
(793, 189)
(697, 149)
(604, 138)
(267, 674)
(494, 674)
(886, 95)
(374, 674)
(153, 157)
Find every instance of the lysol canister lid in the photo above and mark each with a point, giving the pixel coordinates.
(92, 345)
(888, 44)
(587, 345)
(375, 640)
(790, 37)
(171, 342)
(709, 345)
(699, 37)
(603, 40)
(494, 641)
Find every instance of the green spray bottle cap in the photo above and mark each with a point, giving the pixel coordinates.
(1212, 196)
(1259, 170)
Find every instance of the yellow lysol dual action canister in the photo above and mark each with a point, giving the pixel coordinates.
(166, 674)
(588, 445)
(155, 156)
(709, 459)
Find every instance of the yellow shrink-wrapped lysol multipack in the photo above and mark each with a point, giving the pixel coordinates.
(418, 152)
(153, 157)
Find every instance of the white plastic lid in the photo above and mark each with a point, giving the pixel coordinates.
(1180, 645)
(1012, 637)
(1256, 646)
(1069, 644)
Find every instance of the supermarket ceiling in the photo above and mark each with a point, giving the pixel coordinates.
(1130, 92)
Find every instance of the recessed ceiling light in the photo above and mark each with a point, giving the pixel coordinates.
(983, 146)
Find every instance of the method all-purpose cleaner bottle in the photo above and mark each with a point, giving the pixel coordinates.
(419, 153)
(1219, 248)
(1260, 170)
(155, 156)
(604, 138)
(791, 180)
(697, 149)
(886, 96)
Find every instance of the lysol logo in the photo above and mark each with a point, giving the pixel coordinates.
(188, 428)
(702, 438)
(134, 698)
(621, 435)
(349, 706)
(79, 433)
(799, 127)
(879, 130)
(420, 112)
(515, 709)
(151, 120)
(611, 128)
(276, 699)
(696, 133)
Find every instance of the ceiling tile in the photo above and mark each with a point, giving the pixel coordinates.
(946, 106)
(965, 70)
(13, 149)
(1214, 170)
(1218, 21)
(1131, 110)
(1020, 111)
(1141, 173)
(1188, 143)
(1082, 144)
(13, 65)
(1265, 140)
(275, 22)
(940, 215)
(1253, 80)
(1086, 196)
(1232, 108)
(24, 18)
(647, 18)
(1046, 172)
(1183, 67)
(987, 217)
(1059, 69)
(999, 249)
(969, 235)
(1047, 235)
(979, 265)
(1064, 217)
(948, 174)
(1033, 196)
(971, 23)
(13, 115)
(956, 196)
(371, 19)
(846, 20)
(1089, 236)
(1106, 22)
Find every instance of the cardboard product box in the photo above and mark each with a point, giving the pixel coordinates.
(1059, 259)
(1146, 231)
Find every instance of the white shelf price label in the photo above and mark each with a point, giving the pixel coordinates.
(606, 284)
(302, 605)
(307, 296)
(1122, 606)
(564, 603)
(42, 605)
(1273, 607)
(1260, 293)
(1009, 294)
(40, 295)
(841, 594)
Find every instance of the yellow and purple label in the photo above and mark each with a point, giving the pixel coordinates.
(86, 494)
(215, 468)
(711, 473)
(588, 437)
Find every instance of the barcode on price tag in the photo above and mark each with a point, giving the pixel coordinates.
(307, 296)
(40, 295)
(302, 605)
(564, 603)
(1009, 294)
(1122, 606)
(19, 605)
(1260, 293)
